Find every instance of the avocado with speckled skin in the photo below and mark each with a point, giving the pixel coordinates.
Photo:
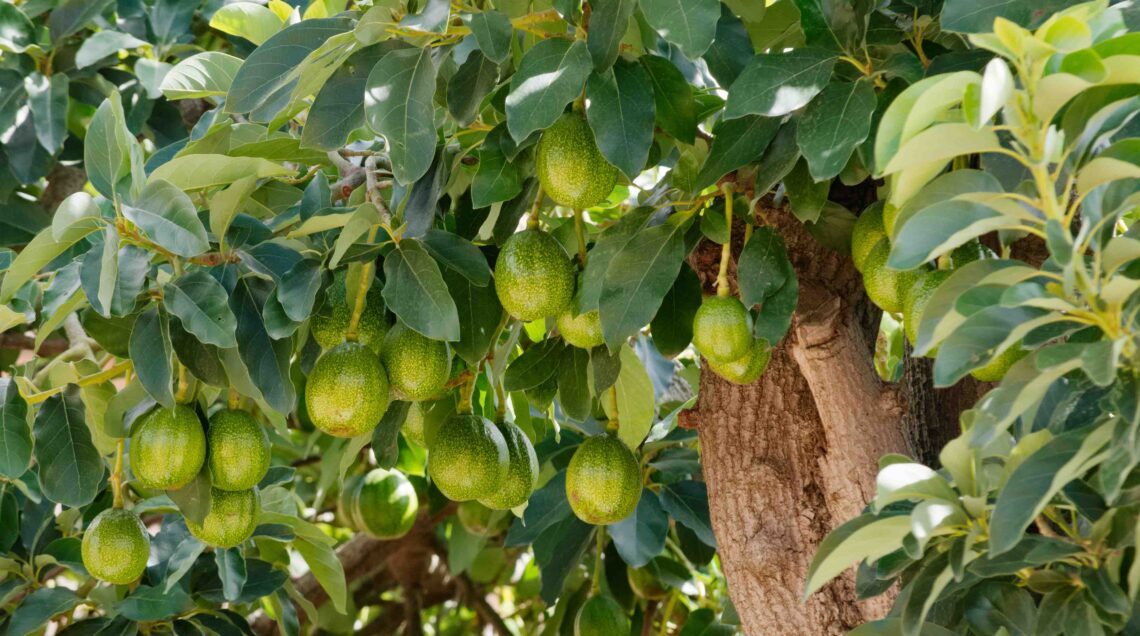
(347, 391)
(479, 519)
(231, 519)
(469, 457)
(115, 546)
(417, 366)
(915, 301)
(868, 231)
(570, 167)
(533, 276)
(522, 471)
(601, 616)
(583, 330)
(886, 287)
(748, 368)
(168, 447)
(722, 329)
(386, 504)
(603, 481)
(330, 323)
(238, 450)
(997, 368)
(417, 427)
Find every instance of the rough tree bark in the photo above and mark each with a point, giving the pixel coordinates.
(793, 455)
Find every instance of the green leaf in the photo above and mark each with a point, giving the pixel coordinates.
(432, 18)
(775, 84)
(72, 15)
(208, 74)
(635, 400)
(690, 24)
(673, 99)
(641, 536)
(688, 503)
(265, 359)
(110, 152)
(154, 603)
(247, 20)
(672, 325)
(326, 568)
(15, 434)
(835, 24)
(297, 289)
(493, 32)
(535, 366)
(168, 217)
(977, 16)
(68, 464)
(496, 178)
(416, 293)
(479, 315)
(398, 105)
(864, 538)
(338, 109)
(199, 302)
(225, 205)
(47, 98)
(16, 30)
(39, 252)
(939, 228)
(835, 123)
(984, 335)
(112, 276)
(231, 570)
(904, 481)
(763, 266)
(609, 20)
(736, 142)
(458, 254)
(467, 89)
(1041, 476)
(573, 378)
(995, 605)
(550, 75)
(620, 111)
(194, 172)
(37, 608)
(941, 142)
(150, 351)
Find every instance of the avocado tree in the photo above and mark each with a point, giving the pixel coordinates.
(538, 317)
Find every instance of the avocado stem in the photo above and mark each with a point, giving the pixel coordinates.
(596, 580)
(233, 401)
(722, 289)
(350, 333)
(466, 390)
(613, 424)
(183, 394)
(580, 233)
(117, 476)
(532, 220)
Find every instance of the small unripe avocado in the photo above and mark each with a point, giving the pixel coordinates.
(386, 504)
(239, 450)
(168, 447)
(748, 368)
(868, 231)
(886, 287)
(603, 481)
(522, 471)
(533, 276)
(417, 366)
(570, 167)
(479, 519)
(346, 502)
(329, 324)
(347, 391)
(645, 584)
(418, 427)
(468, 459)
(997, 368)
(722, 329)
(601, 616)
(915, 300)
(116, 546)
(231, 520)
(583, 330)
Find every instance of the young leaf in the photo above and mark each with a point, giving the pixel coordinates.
(207, 74)
(865, 537)
(550, 76)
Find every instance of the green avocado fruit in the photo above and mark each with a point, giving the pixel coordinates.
(867, 232)
(748, 368)
(386, 504)
(417, 366)
(522, 471)
(115, 546)
(533, 276)
(915, 301)
(330, 323)
(239, 450)
(722, 329)
(479, 519)
(347, 391)
(570, 167)
(601, 616)
(469, 457)
(583, 330)
(346, 502)
(646, 584)
(886, 287)
(231, 519)
(168, 447)
(603, 481)
(997, 368)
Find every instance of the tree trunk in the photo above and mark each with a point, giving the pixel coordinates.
(795, 454)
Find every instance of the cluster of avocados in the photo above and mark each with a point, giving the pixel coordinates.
(168, 449)
(908, 292)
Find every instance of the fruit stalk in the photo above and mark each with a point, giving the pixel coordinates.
(580, 233)
(596, 580)
(613, 425)
(465, 392)
(722, 288)
(117, 476)
(532, 219)
(350, 334)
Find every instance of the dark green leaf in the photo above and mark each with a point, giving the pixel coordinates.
(39, 606)
(199, 301)
(416, 293)
(69, 466)
(763, 267)
(775, 316)
(385, 437)
(731, 49)
(535, 366)
(775, 84)
(835, 24)
(47, 97)
(834, 124)
(672, 326)
(493, 31)
(154, 603)
(620, 110)
(72, 15)
(690, 24)
(479, 315)
(673, 98)
(337, 109)
(609, 20)
(574, 382)
(977, 16)
(193, 499)
(550, 76)
(557, 552)
(470, 85)
(688, 503)
(297, 289)
(641, 536)
(16, 30)
(736, 142)
(15, 434)
(110, 152)
(265, 359)
(231, 570)
(398, 105)
(103, 44)
(150, 351)
(807, 196)
(496, 178)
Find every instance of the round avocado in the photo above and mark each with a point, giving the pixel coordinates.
(347, 391)
(386, 504)
(867, 232)
(331, 321)
(601, 616)
(231, 520)
(417, 366)
(722, 329)
(469, 457)
(239, 450)
(885, 287)
(915, 300)
(522, 471)
(479, 519)
(115, 546)
(168, 447)
(603, 481)
(645, 584)
(570, 167)
(533, 276)
(749, 367)
(583, 331)
(997, 368)
(345, 502)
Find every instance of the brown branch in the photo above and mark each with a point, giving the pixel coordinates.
(19, 341)
(476, 599)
